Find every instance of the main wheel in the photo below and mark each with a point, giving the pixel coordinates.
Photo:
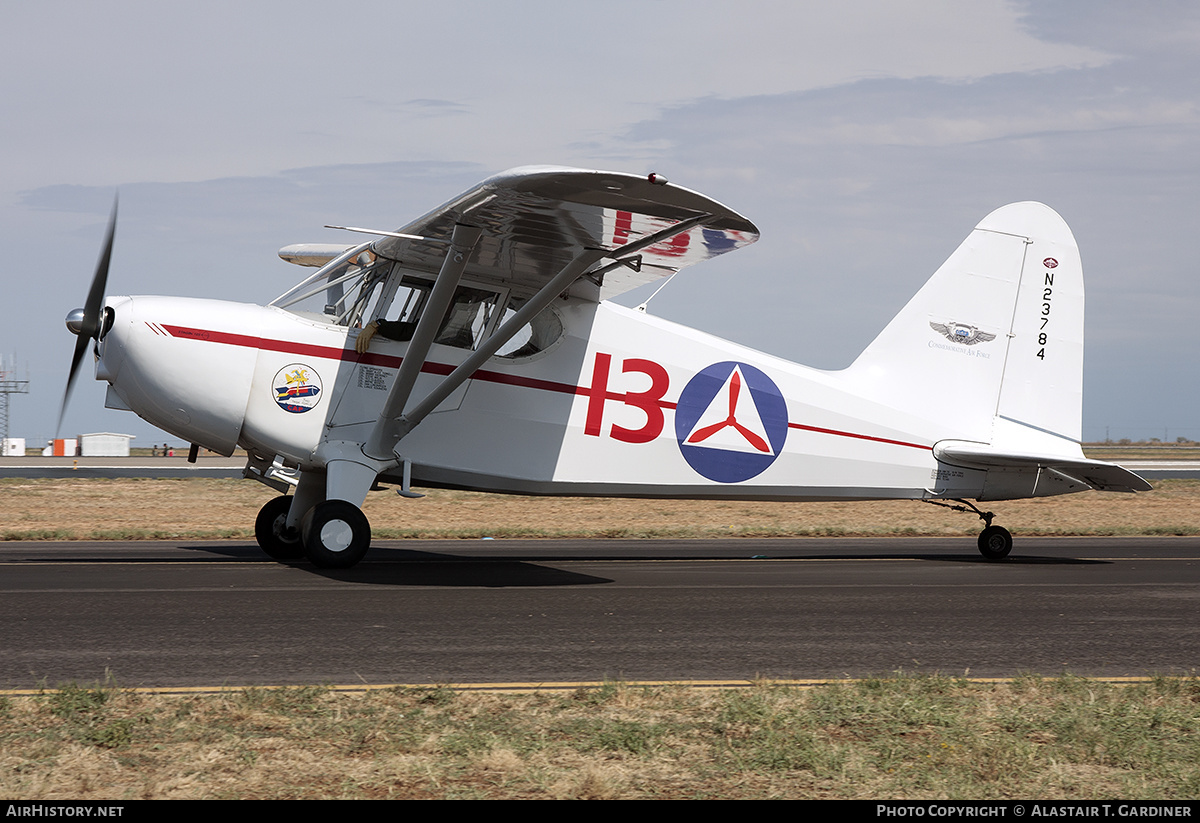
(272, 533)
(995, 542)
(336, 534)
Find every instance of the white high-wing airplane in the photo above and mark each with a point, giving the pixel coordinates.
(476, 348)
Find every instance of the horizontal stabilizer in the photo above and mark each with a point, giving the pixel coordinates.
(1097, 474)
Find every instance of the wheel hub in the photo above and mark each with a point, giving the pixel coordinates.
(337, 535)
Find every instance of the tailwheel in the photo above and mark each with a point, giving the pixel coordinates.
(272, 533)
(335, 534)
(995, 542)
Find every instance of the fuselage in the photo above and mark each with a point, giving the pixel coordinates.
(620, 403)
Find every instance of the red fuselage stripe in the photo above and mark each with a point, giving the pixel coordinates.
(370, 358)
(820, 430)
(390, 361)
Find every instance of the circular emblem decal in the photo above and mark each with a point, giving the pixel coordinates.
(730, 422)
(1050, 263)
(297, 388)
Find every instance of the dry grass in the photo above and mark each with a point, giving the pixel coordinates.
(901, 738)
(197, 508)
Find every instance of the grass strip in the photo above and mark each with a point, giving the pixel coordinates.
(897, 737)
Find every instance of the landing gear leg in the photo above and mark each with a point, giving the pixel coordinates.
(995, 542)
(272, 532)
(310, 490)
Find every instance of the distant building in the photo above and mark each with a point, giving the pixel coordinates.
(104, 444)
(14, 447)
(62, 447)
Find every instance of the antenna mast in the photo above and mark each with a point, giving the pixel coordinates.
(9, 385)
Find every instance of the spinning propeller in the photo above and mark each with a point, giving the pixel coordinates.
(88, 322)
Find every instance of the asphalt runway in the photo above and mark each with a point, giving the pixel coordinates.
(220, 614)
(111, 467)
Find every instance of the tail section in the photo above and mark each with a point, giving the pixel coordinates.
(988, 358)
(992, 345)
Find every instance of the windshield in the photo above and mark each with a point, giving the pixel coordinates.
(360, 286)
(341, 290)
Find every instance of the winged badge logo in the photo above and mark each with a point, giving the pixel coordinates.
(962, 333)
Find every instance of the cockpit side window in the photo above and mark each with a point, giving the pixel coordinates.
(361, 286)
(467, 321)
(539, 335)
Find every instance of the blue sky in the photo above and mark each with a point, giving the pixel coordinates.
(864, 138)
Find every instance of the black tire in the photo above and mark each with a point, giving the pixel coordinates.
(995, 542)
(272, 534)
(336, 534)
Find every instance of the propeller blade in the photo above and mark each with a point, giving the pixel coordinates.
(92, 314)
(92, 308)
(81, 345)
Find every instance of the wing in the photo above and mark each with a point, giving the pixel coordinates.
(539, 232)
(536, 219)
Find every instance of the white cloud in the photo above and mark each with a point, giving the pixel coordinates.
(148, 91)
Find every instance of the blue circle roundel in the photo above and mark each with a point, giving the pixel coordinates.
(730, 422)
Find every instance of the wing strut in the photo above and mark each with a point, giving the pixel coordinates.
(394, 423)
(462, 243)
(502, 335)
(385, 437)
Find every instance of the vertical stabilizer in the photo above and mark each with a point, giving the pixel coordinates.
(992, 345)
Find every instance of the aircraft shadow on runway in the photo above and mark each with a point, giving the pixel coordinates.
(415, 567)
(409, 567)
